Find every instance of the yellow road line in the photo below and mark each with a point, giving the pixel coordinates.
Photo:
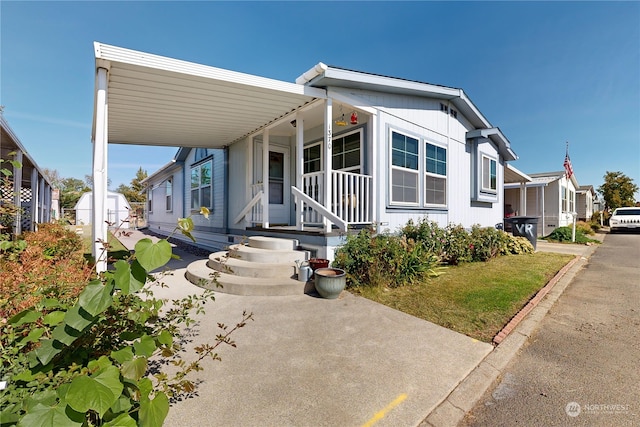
(381, 414)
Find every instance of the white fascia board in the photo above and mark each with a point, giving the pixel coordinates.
(160, 171)
(351, 100)
(114, 54)
(518, 172)
(312, 73)
(390, 83)
(498, 138)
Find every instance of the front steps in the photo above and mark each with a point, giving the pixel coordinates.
(266, 266)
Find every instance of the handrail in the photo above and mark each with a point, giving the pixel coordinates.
(320, 209)
(247, 208)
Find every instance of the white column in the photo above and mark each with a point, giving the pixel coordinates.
(523, 198)
(328, 158)
(47, 202)
(99, 225)
(250, 180)
(376, 159)
(34, 199)
(299, 167)
(265, 179)
(17, 186)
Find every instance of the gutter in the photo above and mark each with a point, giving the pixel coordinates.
(312, 73)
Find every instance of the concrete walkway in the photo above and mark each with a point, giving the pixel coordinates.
(307, 361)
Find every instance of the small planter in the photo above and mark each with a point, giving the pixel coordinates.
(316, 263)
(330, 282)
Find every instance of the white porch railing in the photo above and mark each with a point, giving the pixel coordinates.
(253, 210)
(350, 197)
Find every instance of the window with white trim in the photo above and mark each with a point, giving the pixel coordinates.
(312, 156)
(201, 188)
(346, 152)
(150, 198)
(571, 201)
(435, 183)
(489, 175)
(404, 169)
(168, 194)
(565, 200)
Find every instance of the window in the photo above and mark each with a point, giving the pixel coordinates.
(346, 153)
(571, 201)
(201, 186)
(169, 194)
(489, 175)
(404, 169)
(565, 201)
(150, 198)
(435, 183)
(312, 157)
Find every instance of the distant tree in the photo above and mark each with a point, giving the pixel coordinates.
(53, 176)
(618, 190)
(70, 191)
(136, 191)
(88, 179)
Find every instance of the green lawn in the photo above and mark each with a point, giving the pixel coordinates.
(477, 299)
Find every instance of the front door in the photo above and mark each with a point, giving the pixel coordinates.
(279, 187)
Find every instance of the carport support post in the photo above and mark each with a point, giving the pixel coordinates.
(100, 141)
(328, 157)
(265, 179)
(299, 168)
(17, 192)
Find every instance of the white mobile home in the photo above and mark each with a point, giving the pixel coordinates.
(336, 149)
(550, 196)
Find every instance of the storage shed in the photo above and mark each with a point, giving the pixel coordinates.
(117, 209)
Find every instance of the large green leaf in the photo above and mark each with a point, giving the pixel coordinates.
(95, 393)
(96, 297)
(26, 316)
(54, 318)
(122, 355)
(47, 416)
(65, 334)
(134, 369)
(145, 347)
(78, 318)
(47, 350)
(152, 255)
(124, 420)
(34, 335)
(165, 337)
(129, 278)
(153, 412)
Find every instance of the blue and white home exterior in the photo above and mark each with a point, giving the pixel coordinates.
(338, 148)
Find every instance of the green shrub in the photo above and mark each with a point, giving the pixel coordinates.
(584, 227)
(429, 233)
(563, 234)
(487, 242)
(457, 246)
(383, 260)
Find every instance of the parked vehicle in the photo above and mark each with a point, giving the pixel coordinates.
(625, 219)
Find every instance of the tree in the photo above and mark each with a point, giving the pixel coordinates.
(136, 191)
(53, 176)
(618, 190)
(70, 191)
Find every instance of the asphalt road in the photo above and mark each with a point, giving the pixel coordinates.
(582, 366)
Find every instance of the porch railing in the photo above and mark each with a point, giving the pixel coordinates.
(253, 210)
(350, 197)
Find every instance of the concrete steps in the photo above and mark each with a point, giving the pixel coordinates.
(265, 266)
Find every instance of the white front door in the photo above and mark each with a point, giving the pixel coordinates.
(279, 186)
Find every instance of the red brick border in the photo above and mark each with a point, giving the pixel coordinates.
(533, 302)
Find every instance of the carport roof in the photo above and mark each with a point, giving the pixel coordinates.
(156, 100)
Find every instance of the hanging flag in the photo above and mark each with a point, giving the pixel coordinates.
(567, 164)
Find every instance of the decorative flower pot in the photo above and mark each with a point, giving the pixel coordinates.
(316, 263)
(330, 282)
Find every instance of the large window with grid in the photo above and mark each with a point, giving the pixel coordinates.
(201, 188)
(404, 169)
(346, 152)
(435, 182)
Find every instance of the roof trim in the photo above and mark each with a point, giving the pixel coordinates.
(498, 138)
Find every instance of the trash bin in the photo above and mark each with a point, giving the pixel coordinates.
(525, 226)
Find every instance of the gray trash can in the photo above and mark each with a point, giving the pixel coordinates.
(525, 226)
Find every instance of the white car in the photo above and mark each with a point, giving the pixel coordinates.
(625, 219)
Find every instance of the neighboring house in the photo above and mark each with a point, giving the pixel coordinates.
(31, 190)
(118, 210)
(550, 196)
(337, 149)
(586, 199)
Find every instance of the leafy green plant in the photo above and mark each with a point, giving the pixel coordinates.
(564, 235)
(88, 361)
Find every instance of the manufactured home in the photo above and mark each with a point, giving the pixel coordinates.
(549, 196)
(308, 160)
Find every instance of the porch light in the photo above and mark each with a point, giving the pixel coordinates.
(294, 123)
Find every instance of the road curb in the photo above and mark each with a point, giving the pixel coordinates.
(452, 410)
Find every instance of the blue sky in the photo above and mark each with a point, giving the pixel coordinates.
(544, 72)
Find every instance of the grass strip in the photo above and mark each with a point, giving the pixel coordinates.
(476, 299)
